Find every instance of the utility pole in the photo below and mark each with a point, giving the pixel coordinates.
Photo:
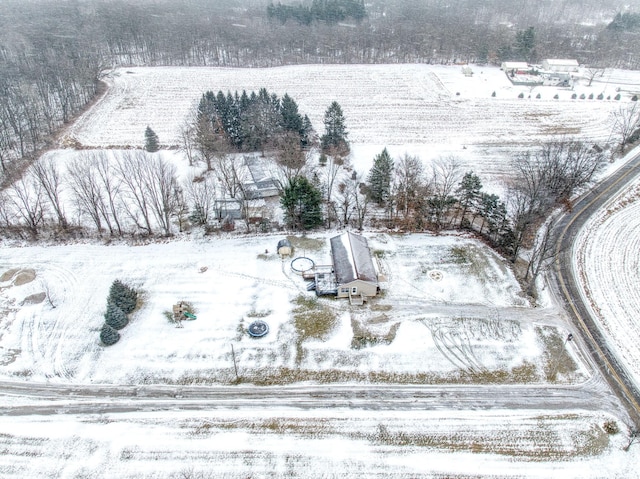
(235, 365)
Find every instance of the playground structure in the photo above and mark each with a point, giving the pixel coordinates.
(181, 313)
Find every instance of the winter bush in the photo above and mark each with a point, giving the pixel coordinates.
(108, 335)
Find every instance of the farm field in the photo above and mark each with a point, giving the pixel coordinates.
(424, 110)
(610, 274)
(452, 314)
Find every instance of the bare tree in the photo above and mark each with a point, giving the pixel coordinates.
(543, 250)
(445, 176)
(187, 136)
(201, 193)
(593, 72)
(232, 173)
(353, 200)
(159, 184)
(336, 160)
(409, 187)
(27, 198)
(47, 173)
(81, 175)
(626, 121)
(110, 185)
(131, 170)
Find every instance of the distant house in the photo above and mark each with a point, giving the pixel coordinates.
(515, 67)
(356, 275)
(261, 184)
(560, 65)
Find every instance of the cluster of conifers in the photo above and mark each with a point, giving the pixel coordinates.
(121, 302)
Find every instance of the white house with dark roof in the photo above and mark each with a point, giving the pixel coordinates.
(356, 274)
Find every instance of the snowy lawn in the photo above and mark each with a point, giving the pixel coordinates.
(451, 311)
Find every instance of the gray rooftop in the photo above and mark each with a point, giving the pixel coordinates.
(352, 259)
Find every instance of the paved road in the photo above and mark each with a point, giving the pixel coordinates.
(18, 399)
(567, 228)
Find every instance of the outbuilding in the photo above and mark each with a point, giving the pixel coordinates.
(284, 247)
(560, 65)
(515, 67)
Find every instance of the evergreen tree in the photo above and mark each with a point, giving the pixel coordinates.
(526, 44)
(335, 131)
(123, 296)
(291, 119)
(151, 142)
(301, 202)
(108, 335)
(115, 317)
(469, 194)
(379, 179)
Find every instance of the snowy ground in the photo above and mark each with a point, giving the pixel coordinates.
(424, 110)
(607, 262)
(334, 443)
(450, 306)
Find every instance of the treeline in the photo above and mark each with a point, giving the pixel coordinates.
(625, 22)
(330, 11)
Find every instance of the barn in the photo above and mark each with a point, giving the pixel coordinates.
(356, 274)
(560, 65)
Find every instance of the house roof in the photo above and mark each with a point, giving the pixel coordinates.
(562, 61)
(352, 259)
(515, 66)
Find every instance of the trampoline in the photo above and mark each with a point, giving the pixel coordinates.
(257, 329)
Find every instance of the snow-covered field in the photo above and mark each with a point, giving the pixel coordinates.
(450, 305)
(331, 443)
(608, 264)
(423, 110)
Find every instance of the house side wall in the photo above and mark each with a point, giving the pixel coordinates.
(362, 287)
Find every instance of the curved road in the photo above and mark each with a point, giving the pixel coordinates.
(567, 229)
